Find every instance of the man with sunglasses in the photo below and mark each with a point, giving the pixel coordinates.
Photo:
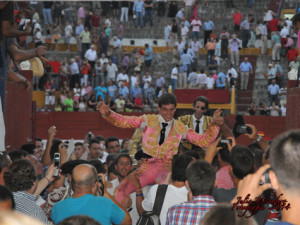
(161, 138)
(199, 121)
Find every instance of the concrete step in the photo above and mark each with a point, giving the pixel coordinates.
(241, 107)
(245, 100)
(243, 94)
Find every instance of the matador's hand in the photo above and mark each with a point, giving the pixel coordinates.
(103, 109)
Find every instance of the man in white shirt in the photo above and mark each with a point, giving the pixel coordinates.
(289, 23)
(74, 69)
(196, 45)
(111, 69)
(210, 82)
(181, 45)
(122, 77)
(134, 79)
(201, 79)
(37, 37)
(174, 77)
(176, 191)
(284, 31)
(68, 33)
(233, 72)
(103, 59)
(91, 56)
(184, 32)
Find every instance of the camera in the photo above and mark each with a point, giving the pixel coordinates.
(266, 177)
(101, 191)
(56, 163)
(223, 143)
(242, 129)
(89, 135)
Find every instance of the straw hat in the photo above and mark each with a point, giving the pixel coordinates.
(37, 67)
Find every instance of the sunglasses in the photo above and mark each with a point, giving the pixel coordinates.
(203, 108)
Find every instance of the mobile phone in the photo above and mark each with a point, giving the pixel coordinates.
(244, 129)
(56, 164)
(223, 143)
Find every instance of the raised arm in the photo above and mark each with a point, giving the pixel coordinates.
(210, 135)
(203, 140)
(120, 120)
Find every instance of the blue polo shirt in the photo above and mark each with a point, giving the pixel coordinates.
(148, 50)
(100, 209)
(135, 91)
(273, 89)
(208, 25)
(245, 67)
(138, 6)
(221, 77)
(275, 38)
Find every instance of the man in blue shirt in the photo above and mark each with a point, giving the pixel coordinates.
(245, 27)
(246, 69)
(220, 83)
(136, 90)
(101, 90)
(208, 27)
(123, 90)
(138, 10)
(148, 57)
(85, 184)
(273, 89)
(276, 43)
(187, 61)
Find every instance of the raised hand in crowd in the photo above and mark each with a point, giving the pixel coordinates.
(251, 185)
(51, 134)
(257, 138)
(47, 179)
(232, 144)
(212, 150)
(41, 50)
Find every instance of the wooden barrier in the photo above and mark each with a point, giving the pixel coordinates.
(163, 49)
(77, 124)
(18, 114)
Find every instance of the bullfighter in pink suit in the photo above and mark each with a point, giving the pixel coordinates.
(161, 137)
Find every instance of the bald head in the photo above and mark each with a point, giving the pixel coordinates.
(84, 177)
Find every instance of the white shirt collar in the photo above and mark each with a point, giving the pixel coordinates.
(161, 120)
(201, 119)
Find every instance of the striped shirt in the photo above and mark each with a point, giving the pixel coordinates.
(25, 203)
(190, 212)
(223, 178)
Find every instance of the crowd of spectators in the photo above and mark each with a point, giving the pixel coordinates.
(98, 32)
(196, 178)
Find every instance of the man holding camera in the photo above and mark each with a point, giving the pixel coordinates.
(85, 183)
(234, 50)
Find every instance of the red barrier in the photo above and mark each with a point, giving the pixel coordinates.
(18, 114)
(77, 124)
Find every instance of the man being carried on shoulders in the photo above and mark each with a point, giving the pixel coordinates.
(161, 138)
